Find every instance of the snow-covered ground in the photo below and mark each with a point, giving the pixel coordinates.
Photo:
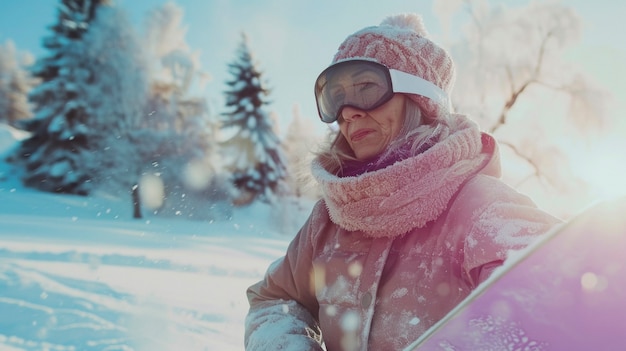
(79, 273)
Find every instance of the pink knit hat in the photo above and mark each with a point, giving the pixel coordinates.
(401, 43)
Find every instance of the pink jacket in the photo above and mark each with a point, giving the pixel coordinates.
(387, 254)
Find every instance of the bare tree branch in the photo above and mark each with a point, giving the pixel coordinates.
(509, 105)
(516, 92)
(514, 72)
(537, 169)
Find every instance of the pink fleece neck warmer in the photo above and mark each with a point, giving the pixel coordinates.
(408, 194)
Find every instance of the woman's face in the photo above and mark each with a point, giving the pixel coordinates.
(369, 132)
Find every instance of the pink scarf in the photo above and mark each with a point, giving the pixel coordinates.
(408, 194)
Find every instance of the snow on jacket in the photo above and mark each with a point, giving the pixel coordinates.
(387, 254)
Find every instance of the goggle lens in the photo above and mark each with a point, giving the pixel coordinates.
(364, 85)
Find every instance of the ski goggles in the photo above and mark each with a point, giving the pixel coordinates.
(366, 85)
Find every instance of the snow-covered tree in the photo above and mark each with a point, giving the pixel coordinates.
(90, 98)
(176, 79)
(15, 83)
(513, 78)
(115, 93)
(175, 70)
(258, 163)
(53, 155)
(299, 145)
(185, 153)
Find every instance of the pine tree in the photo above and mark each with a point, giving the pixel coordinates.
(89, 99)
(258, 161)
(15, 83)
(53, 154)
(115, 95)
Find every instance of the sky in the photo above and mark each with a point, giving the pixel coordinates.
(295, 40)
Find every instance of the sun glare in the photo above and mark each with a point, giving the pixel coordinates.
(603, 168)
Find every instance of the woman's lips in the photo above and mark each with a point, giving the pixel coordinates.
(359, 134)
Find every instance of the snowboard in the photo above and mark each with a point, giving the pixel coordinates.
(567, 291)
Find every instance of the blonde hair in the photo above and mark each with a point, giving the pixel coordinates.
(417, 131)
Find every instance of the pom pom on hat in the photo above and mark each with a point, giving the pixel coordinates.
(409, 21)
(400, 42)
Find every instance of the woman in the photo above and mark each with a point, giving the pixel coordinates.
(413, 215)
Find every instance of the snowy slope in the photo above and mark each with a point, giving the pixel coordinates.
(79, 273)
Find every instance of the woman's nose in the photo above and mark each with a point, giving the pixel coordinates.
(349, 113)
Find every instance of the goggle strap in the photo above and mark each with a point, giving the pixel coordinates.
(409, 84)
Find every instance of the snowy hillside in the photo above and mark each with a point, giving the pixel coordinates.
(79, 273)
